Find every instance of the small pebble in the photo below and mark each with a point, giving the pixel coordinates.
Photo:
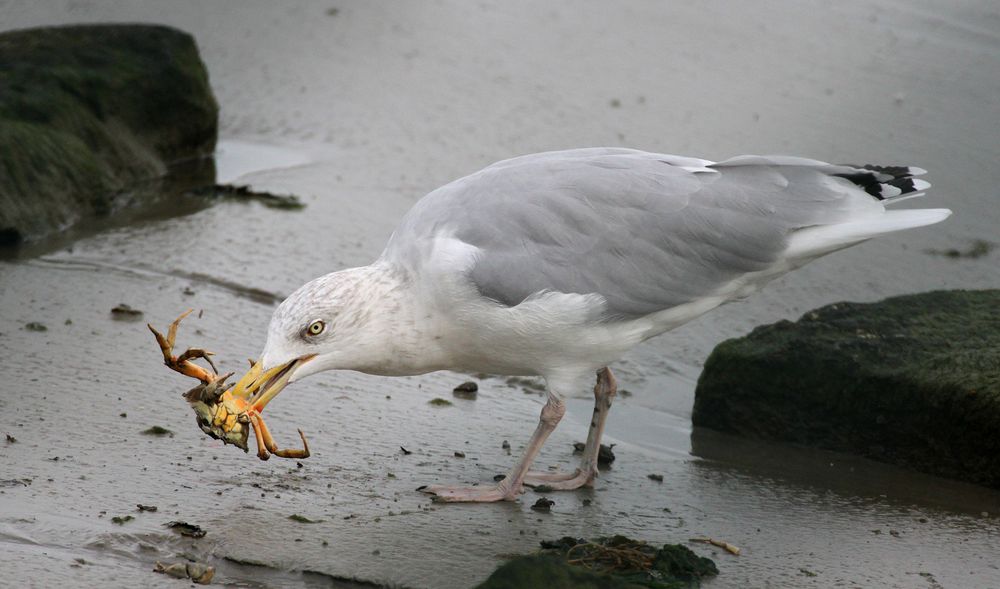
(605, 455)
(466, 390)
(123, 310)
(543, 504)
(186, 529)
(178, 569)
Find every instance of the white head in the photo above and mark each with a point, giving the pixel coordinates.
(337, 321)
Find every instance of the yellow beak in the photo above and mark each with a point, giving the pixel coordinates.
(259, 387)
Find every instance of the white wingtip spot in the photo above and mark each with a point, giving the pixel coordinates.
(889, 191)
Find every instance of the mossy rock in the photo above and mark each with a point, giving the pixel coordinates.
(615, 562)
(86, 112)
(911, 380)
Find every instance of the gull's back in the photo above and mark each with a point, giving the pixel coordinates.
(650, 232)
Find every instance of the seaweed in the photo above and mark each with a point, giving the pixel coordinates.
(157, 430)
(245, 193)
(615, 562)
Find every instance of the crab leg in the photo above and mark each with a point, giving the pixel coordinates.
(258, 431)
(199, 353)
(182, 363)
(265, 442)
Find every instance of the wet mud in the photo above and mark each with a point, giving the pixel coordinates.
(361, 112)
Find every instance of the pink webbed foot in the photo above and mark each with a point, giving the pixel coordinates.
(501, 491)
(561, 481)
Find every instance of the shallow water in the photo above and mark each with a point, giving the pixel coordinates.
(360, 113)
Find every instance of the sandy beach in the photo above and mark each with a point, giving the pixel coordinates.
(361, 108)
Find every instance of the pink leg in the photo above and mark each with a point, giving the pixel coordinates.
(512, 485)
(604, 394)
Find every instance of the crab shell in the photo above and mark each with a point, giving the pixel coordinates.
(219, 415)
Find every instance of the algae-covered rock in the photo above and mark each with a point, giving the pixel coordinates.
(911, 380)
(86, 112)
(549, 572)
(614, 562)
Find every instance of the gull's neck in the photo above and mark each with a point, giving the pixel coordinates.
(382, 329)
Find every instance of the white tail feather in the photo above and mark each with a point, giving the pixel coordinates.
(815, 241)
(897, 199)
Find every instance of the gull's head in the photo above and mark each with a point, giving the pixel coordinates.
(313, 328)
(316, 328)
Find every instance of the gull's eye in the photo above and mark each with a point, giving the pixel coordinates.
(316, 327)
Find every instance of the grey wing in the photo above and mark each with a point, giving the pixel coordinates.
(645, 231)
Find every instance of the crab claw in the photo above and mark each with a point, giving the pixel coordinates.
(208, 393)
(257, 388)
(265, 442)
(260, 387)
(182, 363)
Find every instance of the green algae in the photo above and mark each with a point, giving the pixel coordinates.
(88, 111)
(911, 380)
(615, 562)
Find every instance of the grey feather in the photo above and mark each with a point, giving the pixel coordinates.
(646, 231)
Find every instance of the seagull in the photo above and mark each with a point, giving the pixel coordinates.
(556, 264)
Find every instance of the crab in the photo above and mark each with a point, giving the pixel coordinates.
(228, 412)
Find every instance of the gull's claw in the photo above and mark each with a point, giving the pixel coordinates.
(483, 494)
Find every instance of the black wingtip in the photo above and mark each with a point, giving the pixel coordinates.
(884, 182)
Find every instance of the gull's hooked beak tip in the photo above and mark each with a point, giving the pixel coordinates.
(260, 386)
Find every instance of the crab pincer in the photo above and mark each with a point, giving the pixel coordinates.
(182, 363)
(229, 412)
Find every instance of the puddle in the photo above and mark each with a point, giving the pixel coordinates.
(235, 159)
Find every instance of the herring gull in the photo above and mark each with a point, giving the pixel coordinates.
(556, 264)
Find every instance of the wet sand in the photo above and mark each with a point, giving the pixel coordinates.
(362, 110)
